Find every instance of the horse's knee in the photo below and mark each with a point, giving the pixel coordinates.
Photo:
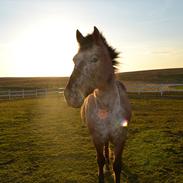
(100, 160)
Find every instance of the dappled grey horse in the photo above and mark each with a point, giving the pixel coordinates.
(103, 100)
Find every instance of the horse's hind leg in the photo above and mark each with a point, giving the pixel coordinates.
(106, 150)
(117, 161)
(100, 161)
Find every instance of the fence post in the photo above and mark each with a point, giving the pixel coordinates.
(161, 92)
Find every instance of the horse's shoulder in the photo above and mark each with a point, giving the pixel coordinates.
(89, 100)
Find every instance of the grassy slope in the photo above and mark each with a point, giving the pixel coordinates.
(40, 82)
(155, 76)
(43, 140)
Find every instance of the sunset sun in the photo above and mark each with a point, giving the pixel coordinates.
(44, 49)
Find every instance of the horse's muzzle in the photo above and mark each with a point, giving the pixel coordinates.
(73, 99)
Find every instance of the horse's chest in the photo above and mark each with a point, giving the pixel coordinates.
(104, 124)
(98, 121)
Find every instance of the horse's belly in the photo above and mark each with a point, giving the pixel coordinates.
(117, 133)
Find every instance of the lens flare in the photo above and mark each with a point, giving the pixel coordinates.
(121, 123)
(124, 123)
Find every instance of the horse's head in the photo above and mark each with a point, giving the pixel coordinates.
(93, 67)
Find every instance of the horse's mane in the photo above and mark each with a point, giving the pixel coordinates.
(88, 42)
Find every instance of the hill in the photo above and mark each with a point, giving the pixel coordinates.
(154, 76)
(33, 82)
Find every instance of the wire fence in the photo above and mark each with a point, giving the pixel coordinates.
(155, 88)
(10, 94)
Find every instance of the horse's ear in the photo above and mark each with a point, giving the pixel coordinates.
(96, 34)
(79, 37)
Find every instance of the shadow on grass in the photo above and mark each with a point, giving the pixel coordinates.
(129, 176)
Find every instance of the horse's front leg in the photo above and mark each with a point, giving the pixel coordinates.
(107, 156)
(117, 165)
(100, 160)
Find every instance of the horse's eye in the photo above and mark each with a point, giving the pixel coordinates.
(94, 60)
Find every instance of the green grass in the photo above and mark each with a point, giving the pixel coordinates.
(154, 150)
(44, 141)
(177, 87)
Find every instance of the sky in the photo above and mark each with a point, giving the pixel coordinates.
(37, 37)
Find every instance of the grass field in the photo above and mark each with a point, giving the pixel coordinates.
(44, 141)
(177, 87)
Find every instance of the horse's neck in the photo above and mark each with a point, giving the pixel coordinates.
(107, 97)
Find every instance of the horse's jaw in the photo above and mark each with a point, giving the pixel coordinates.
(73, 100)
(74, 104)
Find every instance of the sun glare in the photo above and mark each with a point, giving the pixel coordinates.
(44, 49)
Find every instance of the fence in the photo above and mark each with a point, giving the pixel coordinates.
(134, 88)
(154, 88)
(28, 93)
